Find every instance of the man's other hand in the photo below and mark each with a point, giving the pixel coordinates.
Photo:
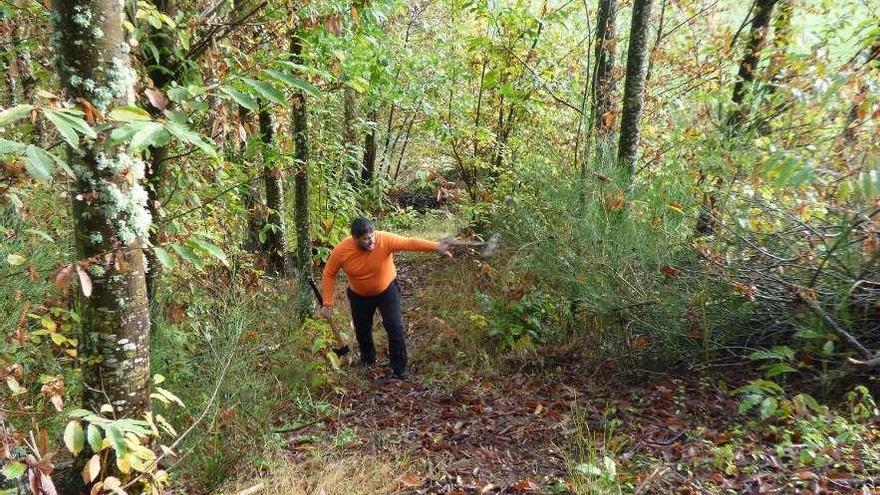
(443, 247)
(326, 312)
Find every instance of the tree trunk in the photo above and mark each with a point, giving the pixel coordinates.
(9, 98)
(746, 75)
(110, 215)
(349, 137)
(369, 167)
(276, 244)
(602, 115)
(634, 89)
(251, 196)
(300, 128)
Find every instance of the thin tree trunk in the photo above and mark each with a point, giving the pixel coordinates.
(634, 89)
(111, 226)
(369, 165)
(9, 76)
(299, 124)
(746, 75)
(349, 137)
(276, 244)
(251, 198)
(403, 147)
(603, 79)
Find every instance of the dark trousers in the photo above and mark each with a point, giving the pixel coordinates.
(362, 311)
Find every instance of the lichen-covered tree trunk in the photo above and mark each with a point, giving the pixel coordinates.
(746, 74)
(634, 89)
(110, 216)
(300, 129)
(602, 114)
(368, 168)
(275, 245)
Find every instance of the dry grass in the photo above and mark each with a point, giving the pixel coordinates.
(349, 475)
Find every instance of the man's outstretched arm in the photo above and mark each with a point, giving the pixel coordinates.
(400, 243)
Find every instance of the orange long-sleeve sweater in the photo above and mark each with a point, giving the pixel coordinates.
(369, 273)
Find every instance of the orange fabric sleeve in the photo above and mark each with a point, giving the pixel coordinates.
(400, 243)
(328, 279)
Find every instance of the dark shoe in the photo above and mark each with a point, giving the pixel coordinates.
(401, 375)
(366, 363)
(342, 351)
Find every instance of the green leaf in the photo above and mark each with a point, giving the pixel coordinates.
(13, 470)
(17, 112)
(266, 90)
(39, 163)
(74, 437)
(188, 136)
(129, 113)
(164, 257)
(74, 118)
(779, 369)
(768, 407)
(8, 147)
(749, 402)
(117, 439)
(209, 248)
(150, 134)
(188, 254)
(40, 233)
(306, 69)
(242, 99)
(94, 437)
(293, 82)
(178, 94)
(66, 130)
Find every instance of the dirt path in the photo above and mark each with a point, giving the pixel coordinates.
(493, 432)
(519, 427)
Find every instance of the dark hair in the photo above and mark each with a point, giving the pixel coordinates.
(361, 226)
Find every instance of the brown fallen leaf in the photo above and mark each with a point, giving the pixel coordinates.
(410, 480)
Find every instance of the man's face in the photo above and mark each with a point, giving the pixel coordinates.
(367, 241)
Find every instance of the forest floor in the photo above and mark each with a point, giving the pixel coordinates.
(553, 420)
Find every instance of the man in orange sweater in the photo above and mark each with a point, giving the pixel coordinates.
(366, 259)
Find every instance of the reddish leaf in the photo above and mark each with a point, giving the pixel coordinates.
(669, 270)
(92, 114)
(157, 98)
(62, 277)
(20, 334)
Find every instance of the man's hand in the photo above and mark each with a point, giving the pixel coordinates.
(326, 312)
(443, 247)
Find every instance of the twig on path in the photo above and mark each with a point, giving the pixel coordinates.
(254, 489)
(299, 427)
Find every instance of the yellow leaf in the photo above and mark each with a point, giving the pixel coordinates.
(123, 465)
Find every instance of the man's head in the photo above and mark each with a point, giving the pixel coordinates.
(363, 233)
